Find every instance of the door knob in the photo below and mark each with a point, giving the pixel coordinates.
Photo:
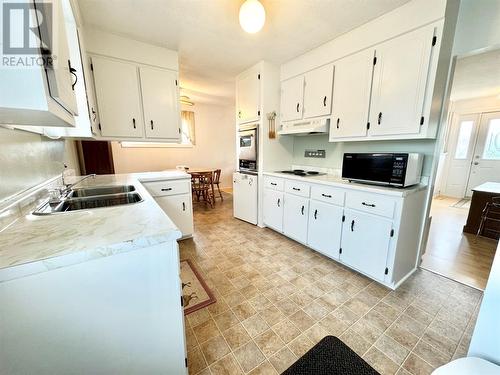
(476, 163)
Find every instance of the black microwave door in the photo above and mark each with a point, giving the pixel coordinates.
(368, 167)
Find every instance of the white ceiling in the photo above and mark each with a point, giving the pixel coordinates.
(213, 48)
(477, 76)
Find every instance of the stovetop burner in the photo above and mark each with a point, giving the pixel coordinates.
(301, 172)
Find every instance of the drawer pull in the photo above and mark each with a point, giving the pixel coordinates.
(352, 226)
(368, 204)
(274, 184)
(315, 214)
(296, 189)
(326, 195)
(166, 189)
(279, 201)
(183, 206)
(302, 210)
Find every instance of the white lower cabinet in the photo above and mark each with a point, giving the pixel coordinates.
(273, 209)
(365, 243)
(295, 217)
(325, 228)
(179, 209)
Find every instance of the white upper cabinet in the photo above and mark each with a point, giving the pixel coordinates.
(292, 98)
(318, 92)
(161, 103)
(399, 83)
(248, 97)
(118, 97)
(351, 95)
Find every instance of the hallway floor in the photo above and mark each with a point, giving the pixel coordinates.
(452, 253)
(277, 298)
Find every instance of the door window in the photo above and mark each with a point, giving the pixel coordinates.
(463, 141)
(492, 143)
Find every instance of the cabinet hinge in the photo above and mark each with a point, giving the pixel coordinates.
(343, 218)
(258, 113)
(258, 76)
(182, 302)
(99, 126)
(434, 40)
(386, 271)
(186, 361)
(368, 125)
(179, 130)
(375, 60)
(422, 120)
(392, 232)
(340, 251)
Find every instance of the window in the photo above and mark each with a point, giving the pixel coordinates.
(492, 144)
(463, 142)
(187, 135)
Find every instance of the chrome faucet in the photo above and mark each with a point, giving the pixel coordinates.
(68, 187)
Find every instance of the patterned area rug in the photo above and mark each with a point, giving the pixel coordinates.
(195, 292)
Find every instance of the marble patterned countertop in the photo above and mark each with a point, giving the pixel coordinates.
(38, 243)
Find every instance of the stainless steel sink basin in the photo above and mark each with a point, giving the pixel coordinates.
(86, 203)
(100, 190)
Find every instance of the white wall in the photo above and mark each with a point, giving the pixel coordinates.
(215, 147)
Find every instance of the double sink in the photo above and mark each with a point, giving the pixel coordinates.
(92, 197)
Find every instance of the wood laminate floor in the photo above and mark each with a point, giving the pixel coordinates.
(452, 253)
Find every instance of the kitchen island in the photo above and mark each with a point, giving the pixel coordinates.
(481, 195)
(95, 290)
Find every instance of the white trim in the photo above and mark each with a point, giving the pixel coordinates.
(126, 144)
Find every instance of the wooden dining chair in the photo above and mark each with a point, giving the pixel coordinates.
(202, 185)
(217, 173)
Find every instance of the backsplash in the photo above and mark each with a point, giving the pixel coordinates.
(335, 151)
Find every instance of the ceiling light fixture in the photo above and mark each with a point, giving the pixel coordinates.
(186, 100)
(252, 16)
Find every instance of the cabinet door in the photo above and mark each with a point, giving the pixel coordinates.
(160, 103)
(292, 95)
(365, 243)
(351, 95)
(399, 83)
(295, 217)
(273, 209)
(117, 90)
(248, 93)
(318, 92)
(325, 228)
(179, 209)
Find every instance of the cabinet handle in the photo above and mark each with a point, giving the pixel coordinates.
(379, 121)
(324, 101)
(183, 206)
(133, 123)
(368, 204)
(279, 200)
(302, 210)
(326, 195)
(94, 115)
(166, 189)
(73, 72)
(297, 107)
(352, 226)
(274, 183)
(338, 121)
(296, 189)
(152, 126)
(315, 214)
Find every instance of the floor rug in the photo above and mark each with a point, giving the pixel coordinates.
(195, 292)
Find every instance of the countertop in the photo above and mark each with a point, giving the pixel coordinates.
(91, 233)
(488, 187)
(338, 182)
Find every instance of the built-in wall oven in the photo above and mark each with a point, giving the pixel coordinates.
(248, 146)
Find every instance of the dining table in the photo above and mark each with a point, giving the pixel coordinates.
(193, 171)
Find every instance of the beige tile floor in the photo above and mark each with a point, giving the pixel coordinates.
(277, 298)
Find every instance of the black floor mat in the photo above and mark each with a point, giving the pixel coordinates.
(330, 356)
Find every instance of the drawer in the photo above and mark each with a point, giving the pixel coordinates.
(274, 183)
(373, 203)
(297, 188)
(328, 194)
(169, 187)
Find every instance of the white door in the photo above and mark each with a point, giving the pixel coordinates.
(462, 138)
(179, 209)
(245, 197)
(365, 243)
(118, 98)
(273, 209)
(295, 217)
(399, 83)
(248, 93)
(292, 97)
(351, 95)
(318, 92)
(486, 160)
(325, 228)
(161, 103)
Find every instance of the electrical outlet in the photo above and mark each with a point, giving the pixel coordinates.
(315, 154)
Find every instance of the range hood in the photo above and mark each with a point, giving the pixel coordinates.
(305, 127)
